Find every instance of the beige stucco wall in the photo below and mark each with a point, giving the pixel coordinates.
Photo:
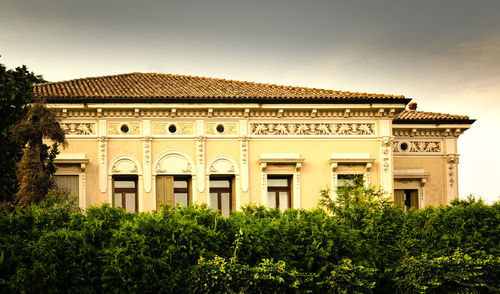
(243, 147)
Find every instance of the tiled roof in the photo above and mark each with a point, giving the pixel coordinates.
(409, 116)
(178, 88)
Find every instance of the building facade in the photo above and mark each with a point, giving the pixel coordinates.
(142, 140)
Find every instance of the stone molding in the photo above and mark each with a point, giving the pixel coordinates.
(431, 131)
(243, 111)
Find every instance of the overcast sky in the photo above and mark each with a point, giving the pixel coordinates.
(443, 54)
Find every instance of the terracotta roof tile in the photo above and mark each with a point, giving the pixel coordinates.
(190, 88)
(408, 116)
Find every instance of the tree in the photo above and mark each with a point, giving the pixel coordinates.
(16, 91)
(37, 164)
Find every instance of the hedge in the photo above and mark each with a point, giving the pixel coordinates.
(356, 244)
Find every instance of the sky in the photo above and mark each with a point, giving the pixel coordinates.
(445, 54)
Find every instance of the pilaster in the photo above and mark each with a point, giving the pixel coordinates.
(386, 159)
(103, 155)
(146, 154)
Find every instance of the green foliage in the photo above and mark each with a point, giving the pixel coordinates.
(361, 243)
(458, 273)
(15, 93)
(219, 276)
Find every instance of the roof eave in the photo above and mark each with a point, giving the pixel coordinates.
(263, 100)
(433, 121)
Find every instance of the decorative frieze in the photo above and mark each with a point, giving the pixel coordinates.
(124, 128)
(173, 129)
(290, 129)
(79, 128)
(417, 146)
(221, 128)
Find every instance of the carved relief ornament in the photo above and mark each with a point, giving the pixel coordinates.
(181, 129)
(284, 129)
(418, 146)
(452, 161)
(79, 128)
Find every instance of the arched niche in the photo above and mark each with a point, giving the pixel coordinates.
(175, 163)
(223, 165)
(125, 165)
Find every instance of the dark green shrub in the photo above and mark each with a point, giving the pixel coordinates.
(458, 273)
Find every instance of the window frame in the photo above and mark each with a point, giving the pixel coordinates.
(277, 189)
(123, 191)
(220, 190)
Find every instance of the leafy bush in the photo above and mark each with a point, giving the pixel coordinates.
(458, 273)
(359, 243)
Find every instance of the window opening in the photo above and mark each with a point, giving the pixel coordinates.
(279, 192)
(221, 195)
(125, 193)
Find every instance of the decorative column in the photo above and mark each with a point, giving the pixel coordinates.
(103, 156)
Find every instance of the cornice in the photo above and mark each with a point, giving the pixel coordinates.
(430, 131)
(303, 112)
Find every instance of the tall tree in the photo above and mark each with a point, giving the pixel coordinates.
(37, 164)
(16, 92)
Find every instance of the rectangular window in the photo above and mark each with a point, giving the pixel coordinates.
(172, 190)
(68, 185)
(221, 195)
(343, 179)
(279, 192)
(125, 193)
(406, 198)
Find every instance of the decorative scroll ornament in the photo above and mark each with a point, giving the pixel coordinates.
(102, 150)
(200, 145)
(452, 161)
(244, 149)
(78, 128)
(147, 149)
(181, 129)
(418, 146)
(287, 129)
